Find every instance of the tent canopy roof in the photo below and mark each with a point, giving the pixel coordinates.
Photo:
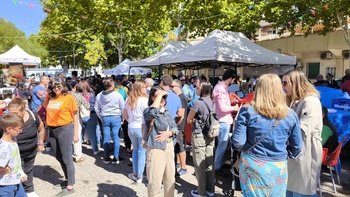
(18, 55)
(170, 48)
(227, 48)
(124, 69)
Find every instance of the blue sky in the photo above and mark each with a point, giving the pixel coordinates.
(26, 15)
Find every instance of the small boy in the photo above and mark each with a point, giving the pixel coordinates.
(11, 173)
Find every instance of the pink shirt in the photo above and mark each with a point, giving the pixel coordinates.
(222, 103)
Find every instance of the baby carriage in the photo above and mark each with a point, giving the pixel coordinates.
(235, 154)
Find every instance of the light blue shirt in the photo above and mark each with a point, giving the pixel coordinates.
(173, 102)
(187, 91)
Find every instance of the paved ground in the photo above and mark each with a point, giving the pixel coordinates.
(94, 178)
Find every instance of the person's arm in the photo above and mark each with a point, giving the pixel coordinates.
(163, 135)
(76, 126)
(239, 136)
(125, 114)
(221, 99)
(180, 115)
(295, 141)
(5, 170)
(191, 115)
(121, 104)
(41, 130)
(97, 107)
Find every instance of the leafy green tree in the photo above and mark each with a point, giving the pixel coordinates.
(289, 14)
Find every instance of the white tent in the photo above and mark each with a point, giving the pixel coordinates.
(123, 69)
(170, 48)
(18, 55)
(226, 46)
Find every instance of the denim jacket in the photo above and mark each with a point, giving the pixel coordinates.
(283, 141)
(162, 119)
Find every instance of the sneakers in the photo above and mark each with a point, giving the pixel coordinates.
(181, 172)
(134, 178)
(210, 194)
(194, 193)
(116, 161)
(107, 161)
(97, 152)
(65, 192)
(32, 194)
(61, 185)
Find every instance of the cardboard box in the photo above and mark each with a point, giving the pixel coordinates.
(341, 104)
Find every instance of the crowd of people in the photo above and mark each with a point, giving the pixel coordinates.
(280, 132)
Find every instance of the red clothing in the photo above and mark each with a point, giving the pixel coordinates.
(346, 86)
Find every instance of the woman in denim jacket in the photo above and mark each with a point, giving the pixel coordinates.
(268, 133)
(160, 148)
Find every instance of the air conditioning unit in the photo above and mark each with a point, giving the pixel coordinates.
(326, 55)
(345, 54)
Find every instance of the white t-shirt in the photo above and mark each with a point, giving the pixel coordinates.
(9, 156)
(135, 116)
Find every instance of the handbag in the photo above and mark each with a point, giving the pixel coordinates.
(239, 153)
(83, 112)
(145, 139)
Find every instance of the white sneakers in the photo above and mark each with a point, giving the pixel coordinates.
(134, 178)
(32, 194)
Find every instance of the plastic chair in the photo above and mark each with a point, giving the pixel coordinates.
(332, 162)
(324, 159)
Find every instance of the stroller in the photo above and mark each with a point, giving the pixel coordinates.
(235, 184)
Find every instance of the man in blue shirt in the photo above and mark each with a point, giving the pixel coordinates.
(39, 93)
(173, 101)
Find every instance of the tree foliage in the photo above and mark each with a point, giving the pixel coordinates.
(11, 36)
(306, 14)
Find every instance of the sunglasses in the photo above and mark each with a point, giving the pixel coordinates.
(284, 83)
(58, 87)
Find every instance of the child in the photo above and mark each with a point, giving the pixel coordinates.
(11, 173)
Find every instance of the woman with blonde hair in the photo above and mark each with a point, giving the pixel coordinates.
(267, 132)
(133, 113)
(304, 99)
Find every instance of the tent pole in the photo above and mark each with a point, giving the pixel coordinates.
(159, 72)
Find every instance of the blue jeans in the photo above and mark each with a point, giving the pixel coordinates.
(93, 133)
(111, 126)
(222, 145)
(12, 190)
(138, 152)
(83, 127)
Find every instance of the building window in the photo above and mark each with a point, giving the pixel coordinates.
(331, 70)
(313, 70)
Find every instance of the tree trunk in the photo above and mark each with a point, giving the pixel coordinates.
(343, 22)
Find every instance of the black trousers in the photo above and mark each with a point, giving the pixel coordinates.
(27, 166)
(127, 140)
